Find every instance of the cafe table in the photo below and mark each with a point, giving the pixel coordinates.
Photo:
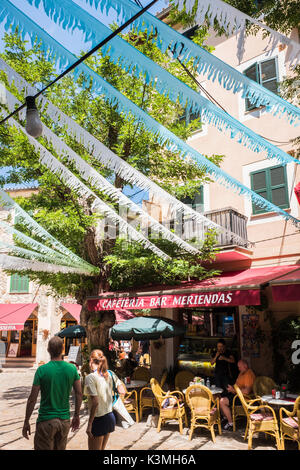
(277, 402)
(136, 384)
(214, 390)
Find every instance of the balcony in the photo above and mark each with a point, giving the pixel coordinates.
(233, 221)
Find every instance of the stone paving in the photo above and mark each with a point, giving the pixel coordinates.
(14, 390)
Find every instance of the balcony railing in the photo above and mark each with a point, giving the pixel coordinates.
(233, 221)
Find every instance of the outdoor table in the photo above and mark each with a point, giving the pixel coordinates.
(136, 384)
(214, 391)
(277, 402)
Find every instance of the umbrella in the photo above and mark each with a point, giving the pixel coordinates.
(75, 331)
(140, 328)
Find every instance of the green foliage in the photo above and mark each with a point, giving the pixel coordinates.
(131, 266)
(283, 15)
(59, 209)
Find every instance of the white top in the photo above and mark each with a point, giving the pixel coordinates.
(97, 386)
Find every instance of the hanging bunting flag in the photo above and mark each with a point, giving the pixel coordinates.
(40, 232)
(13, 263)
(55, 257)
(204, 62)
(234, 21)
(134, 62)
(33, 255)
(122, 104)
(94, 178)
(104, 155)
(70, 180)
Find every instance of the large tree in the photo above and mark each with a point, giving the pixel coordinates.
(70, 218)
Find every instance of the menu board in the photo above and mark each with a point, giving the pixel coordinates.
(74, 354)
(13, 350)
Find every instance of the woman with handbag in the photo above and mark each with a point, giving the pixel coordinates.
(99, 386)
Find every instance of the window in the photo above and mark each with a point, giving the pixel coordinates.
(270, 183)
(189, 33)
(196, 202)
(189, 116)
(266, 74)
(19, 284)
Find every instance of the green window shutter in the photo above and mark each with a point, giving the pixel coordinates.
(19, 284)
(271, 184)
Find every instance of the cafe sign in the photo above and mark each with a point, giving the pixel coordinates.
(191, 300)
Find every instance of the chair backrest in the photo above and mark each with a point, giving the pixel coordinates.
(297, 408)
(141, 373)
(263, 386)
(199, 399)
(242, 399)
(157, 390)
(183, 379)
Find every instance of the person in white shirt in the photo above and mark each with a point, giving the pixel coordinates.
(99, 389)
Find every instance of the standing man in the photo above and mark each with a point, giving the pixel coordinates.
(225, 370)
(55, 381)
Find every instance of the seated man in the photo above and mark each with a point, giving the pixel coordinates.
(245, 382)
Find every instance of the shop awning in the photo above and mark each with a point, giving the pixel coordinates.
(123, 315)
(286, 288)
(73, 309)
(229, 289)
(13, 316)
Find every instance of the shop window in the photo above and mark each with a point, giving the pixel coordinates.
(270, 183)
(19, 284)
(266, 74)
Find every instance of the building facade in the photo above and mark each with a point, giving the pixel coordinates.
(29, 314)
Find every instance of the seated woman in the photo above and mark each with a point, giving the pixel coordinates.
(245, 382)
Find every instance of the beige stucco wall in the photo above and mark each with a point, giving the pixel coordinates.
(276, 241)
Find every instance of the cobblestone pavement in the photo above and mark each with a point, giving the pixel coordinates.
(14, 391)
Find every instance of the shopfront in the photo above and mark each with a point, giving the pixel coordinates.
(212, 309)
(71, 317)
(18, 329)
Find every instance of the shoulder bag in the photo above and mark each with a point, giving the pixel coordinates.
(120, 412)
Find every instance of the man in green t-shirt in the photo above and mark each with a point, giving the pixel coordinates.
(55, 381)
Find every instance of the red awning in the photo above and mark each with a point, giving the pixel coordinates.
(122, 315)
(13, 316)
(229, 289)
(286, 288)
(73, 309)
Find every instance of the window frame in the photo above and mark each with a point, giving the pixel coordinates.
(269, 188)
(251, 107)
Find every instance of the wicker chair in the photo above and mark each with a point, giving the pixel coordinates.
(183, 379)
(263, 386)
(171, 413)
(238, 410)
(147, 399)
(290, 424)
(205, 411)
(141, 373)
(130, 400)
(265, 421)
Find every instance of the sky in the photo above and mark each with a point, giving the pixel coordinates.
(66, 38)
(76, 46)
